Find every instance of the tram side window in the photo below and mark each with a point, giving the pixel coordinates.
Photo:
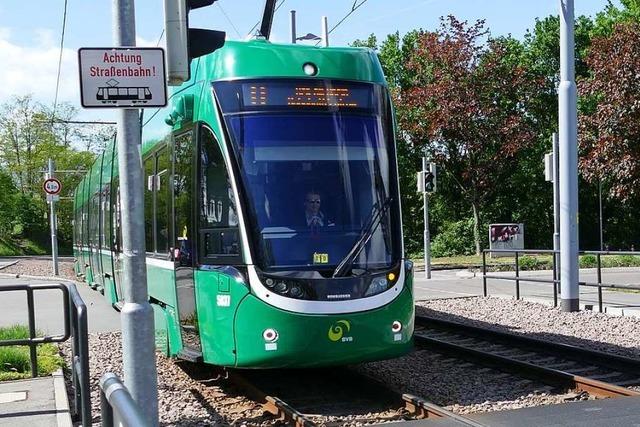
(162, 201)
(182, 189)
(218, 213)
(115, 212)
(106, 217)
(148, 203)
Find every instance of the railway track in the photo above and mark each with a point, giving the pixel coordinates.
(333, 397)
(329, 397)
(560, 365)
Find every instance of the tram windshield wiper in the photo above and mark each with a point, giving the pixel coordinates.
(378, 211)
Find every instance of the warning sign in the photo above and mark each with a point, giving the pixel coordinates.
(122, 77)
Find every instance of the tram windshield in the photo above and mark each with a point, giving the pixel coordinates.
(317, 163)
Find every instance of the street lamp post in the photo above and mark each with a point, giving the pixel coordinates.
(568, 136)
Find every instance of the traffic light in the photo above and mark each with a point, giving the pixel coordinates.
(427, 180)
(184, 43)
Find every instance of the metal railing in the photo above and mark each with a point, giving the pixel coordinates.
(80, 357)
(555, 281)
(115, 399)
(33, 341)
(75, 326)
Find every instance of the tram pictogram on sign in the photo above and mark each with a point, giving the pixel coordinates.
(52, 186)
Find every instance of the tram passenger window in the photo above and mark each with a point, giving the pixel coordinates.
(148, 203)
(106, 218)
(162, 201)
(218, 213)
(182, 187)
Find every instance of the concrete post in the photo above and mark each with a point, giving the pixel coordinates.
(568, 133)
(138, 347)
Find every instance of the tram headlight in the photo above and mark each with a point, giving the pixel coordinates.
(310, 69)
(296, 291)
(281, 287)
(378, 284)
(269, 282)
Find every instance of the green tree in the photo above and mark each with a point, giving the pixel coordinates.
(468, 105)
(30, 135)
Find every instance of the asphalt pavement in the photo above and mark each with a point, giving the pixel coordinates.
(463, 283)
(49, 308)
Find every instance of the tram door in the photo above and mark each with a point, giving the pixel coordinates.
(184, 189)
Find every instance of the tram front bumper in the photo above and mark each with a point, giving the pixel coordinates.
(267, 337)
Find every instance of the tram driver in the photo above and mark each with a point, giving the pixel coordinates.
(314, 217)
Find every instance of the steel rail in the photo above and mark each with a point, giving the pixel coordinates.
(271, 404)
(414, 406)
(545, 374)
(567, 350)
(421, 409)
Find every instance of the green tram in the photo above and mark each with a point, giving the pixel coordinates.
(272, 214)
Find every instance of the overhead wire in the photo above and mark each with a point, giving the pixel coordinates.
(160, 38)
(274, 12)
(229, 20)
(354, 7)
(64, 25)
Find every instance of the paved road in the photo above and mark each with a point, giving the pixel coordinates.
(48, 308)
(459, 283)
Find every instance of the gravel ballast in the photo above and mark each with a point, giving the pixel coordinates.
(38, 267)
(183, 400)
(588, 329)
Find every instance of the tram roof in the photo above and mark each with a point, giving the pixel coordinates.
(261, 58)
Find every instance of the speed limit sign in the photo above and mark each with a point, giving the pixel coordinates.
(52, 187)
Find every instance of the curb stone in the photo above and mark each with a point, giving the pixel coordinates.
(63, 414)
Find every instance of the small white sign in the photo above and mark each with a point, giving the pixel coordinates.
(53, 198)
(122, 77)
(223, 300)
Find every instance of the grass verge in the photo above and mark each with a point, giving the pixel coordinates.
(529, 262)
(14, 360)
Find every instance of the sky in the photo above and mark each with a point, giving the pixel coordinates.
(30, 31)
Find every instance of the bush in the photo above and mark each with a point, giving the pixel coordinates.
(455, 238)
(528, 263)
(588, 261)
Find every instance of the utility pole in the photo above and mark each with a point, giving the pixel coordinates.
(325, 31)
(556, 203)
(600, 211)
(568, 132)
(427, 237)
(53, 219)
(138, 347)
(293, 27)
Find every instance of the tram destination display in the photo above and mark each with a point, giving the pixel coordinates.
(306, 94)
(122, 77)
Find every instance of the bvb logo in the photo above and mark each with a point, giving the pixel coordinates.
(338, 329)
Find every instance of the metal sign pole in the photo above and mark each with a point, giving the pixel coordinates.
(556, 202)
(427, 237)
(138, 347)
(568, 132)
(53, 222)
